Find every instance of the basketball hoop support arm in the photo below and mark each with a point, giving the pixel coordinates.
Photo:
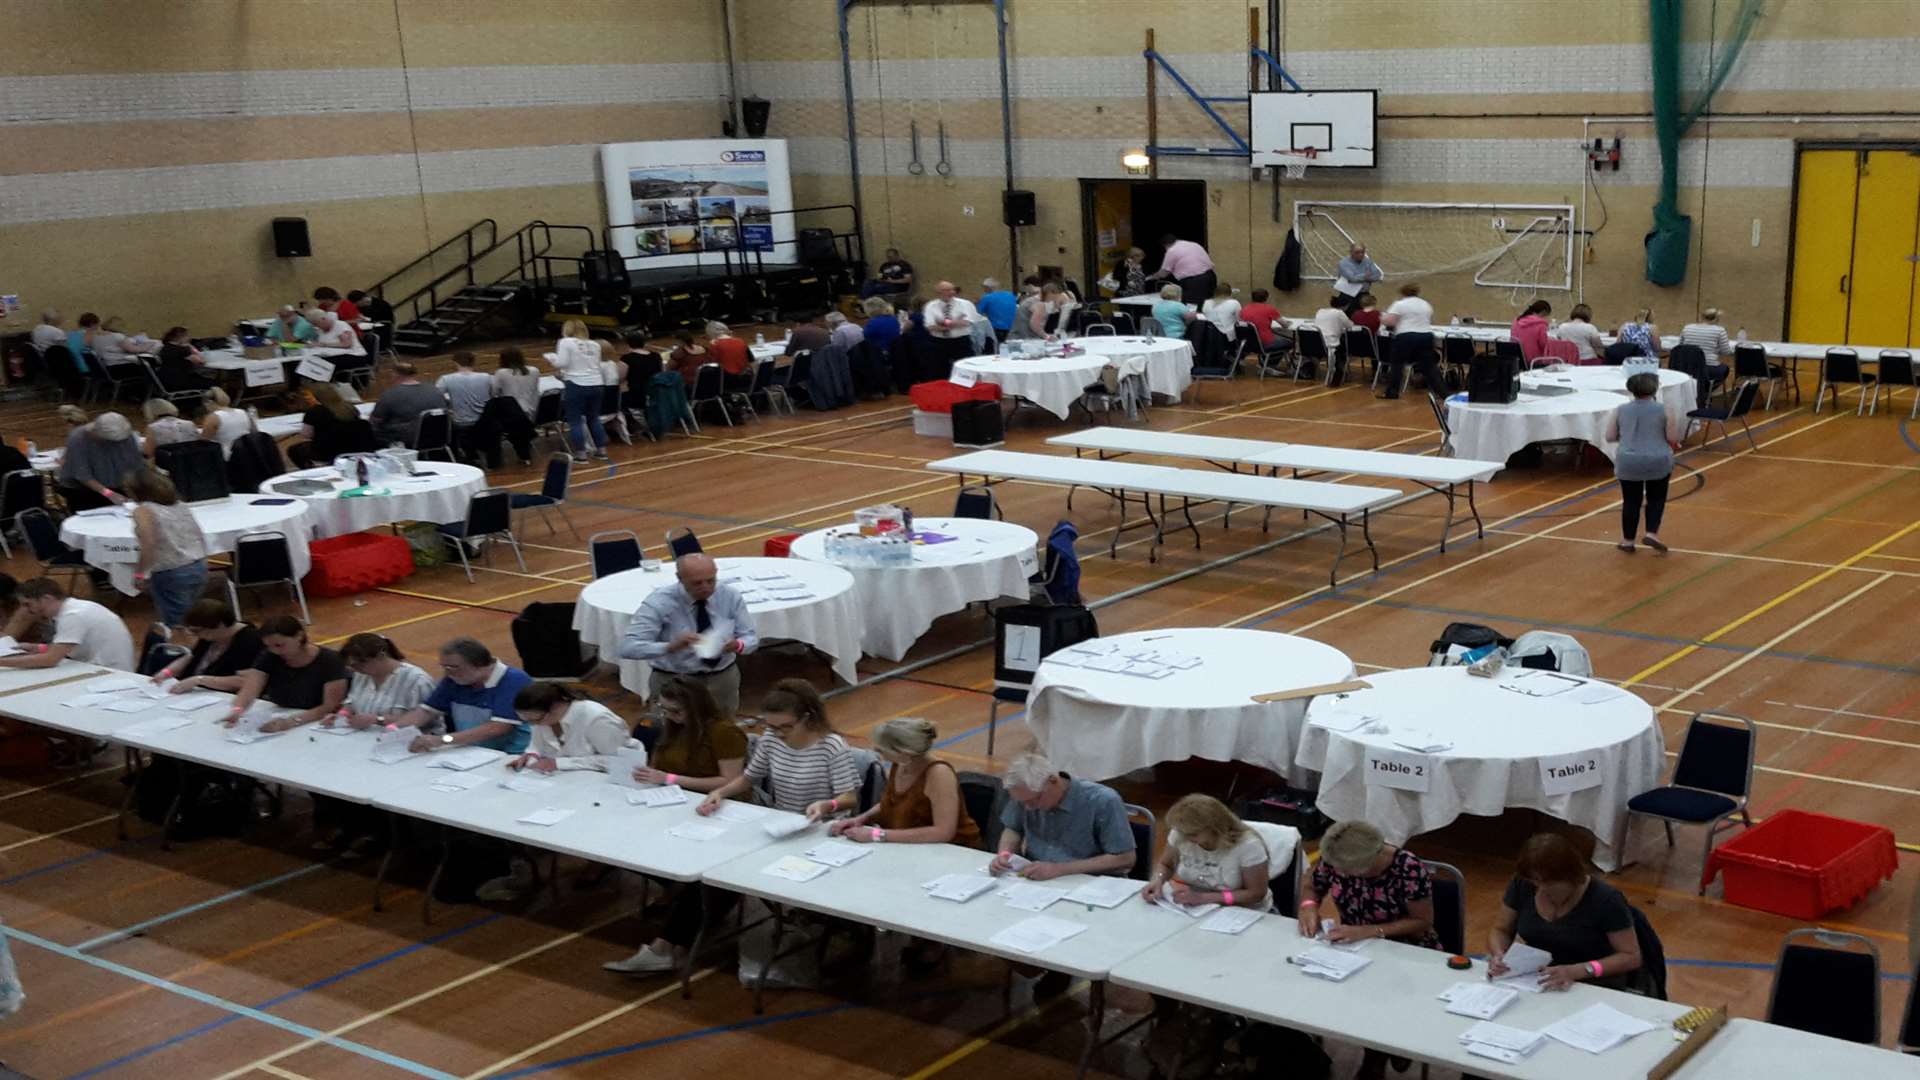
(1240, 148)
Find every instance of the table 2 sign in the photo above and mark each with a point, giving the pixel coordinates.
(1398, 769)
(1566, 773)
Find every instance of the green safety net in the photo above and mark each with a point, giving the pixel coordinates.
(1672, 235)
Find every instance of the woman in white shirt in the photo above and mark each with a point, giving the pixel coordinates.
(576, 359)
(331, 333)
(1411, 319)
(514, 379)
(1223, 310)
(568, 729)
(1580, 330)
(1211, 857)
(223, 423)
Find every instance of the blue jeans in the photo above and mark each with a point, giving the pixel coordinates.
(582, 405)
(176, 590)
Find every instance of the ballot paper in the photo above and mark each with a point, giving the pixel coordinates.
(395, 745)
(714, 641)
(1539, 683)
(457, 782)
(1229, 920)
(737, 813)
(1596, 694)
(1106, 663)
(1105, 892)
(1340, 720)
(338, 727)
(528, 784)
(195, 701)
(1028, 896)
(769, 575)
(789, 597)
(656, 797)
(1596, 1029)
(622, 763)
(89, 701)
(1037, 934)
(1524, 963)
(246, 736)
(781, 826)
(1093, 647)
(1334, 965)
(157, 726)
(1146, 670)
(1017, 863)
(1500, 1042)
(126, 703)
(466, 757)
(697, 831)
(837, 852)
(1482, 1000)
(546, 815)
(1192, 911)
(795, 868)
(9, 647)
(116, 686)
(1420, 742)
(959, 888)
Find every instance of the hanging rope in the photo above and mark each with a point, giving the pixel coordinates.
(880, 104)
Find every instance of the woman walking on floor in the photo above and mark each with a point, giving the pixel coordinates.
(1643, 463)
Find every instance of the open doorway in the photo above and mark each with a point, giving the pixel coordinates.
(1118, 214)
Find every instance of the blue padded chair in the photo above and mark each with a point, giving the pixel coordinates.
(489, 518)
(1736, 409)
(1711, 782)
(553, 493)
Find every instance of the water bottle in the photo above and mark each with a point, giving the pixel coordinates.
(1741, 336)
(759, 339)
(32, 448)
(362, 471)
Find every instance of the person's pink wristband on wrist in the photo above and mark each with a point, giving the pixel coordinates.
(1594, 968)
(1226, 897)
(673, 778)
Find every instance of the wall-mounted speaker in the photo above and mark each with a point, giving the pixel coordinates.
(1017, 207)
(754, 114)
(290, 240)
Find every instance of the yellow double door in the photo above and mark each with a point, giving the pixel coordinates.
(1856, 248)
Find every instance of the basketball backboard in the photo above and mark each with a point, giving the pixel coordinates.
(1336, 126)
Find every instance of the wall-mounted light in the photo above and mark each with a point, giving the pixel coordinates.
(1136, 162)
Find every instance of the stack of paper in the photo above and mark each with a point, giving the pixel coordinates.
(959, 888)
(1194, 911)
(837, 852)
(1105, 663)
(696, 831)
(781, 826)
(1028, 896)
(621, 764)
(157, 726)
(199, 699)
(1596, 1029)
(655, 797)
(1036, 934)
(395, 745)
(525, 783)
(739, 813)
(546, 815)
(1597, 693)
(1105, 892)
(1523, 967)
(1500, 1042)
(1334, 965)
(126, 703)
(455, 782)
(1538, 683)
(795, 868)
(1146, 669)
(1481, 1000)
(1230, 920)
(118, 685)
(464, 758)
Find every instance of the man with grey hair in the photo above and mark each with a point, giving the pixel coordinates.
(473, 703)
(694, 629)
(843, 331)
(48, 333)
(289, 327)
(1058, 825)
(100, 456)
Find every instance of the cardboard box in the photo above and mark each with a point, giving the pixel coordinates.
(260, 352)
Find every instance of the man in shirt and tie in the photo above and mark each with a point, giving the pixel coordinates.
(674, 627)
(950, 322)
(1189, 266)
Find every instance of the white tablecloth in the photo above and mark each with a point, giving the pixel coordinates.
(1676, 387)
(1495, 432)
(1054, 382)
(1169, 361)
(287, 425)
(439, 497)
(1499, 738)
(987, 560)
(231, 360)
(829, 620)
(222, 522)
(1100, 724)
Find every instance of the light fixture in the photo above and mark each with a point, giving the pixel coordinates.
(1136, 161)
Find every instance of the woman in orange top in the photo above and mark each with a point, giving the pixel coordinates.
(921, 803)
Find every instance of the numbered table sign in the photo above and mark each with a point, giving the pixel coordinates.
(963, 377)
(108, 550)
(1566, 773)
(1400, 769)
(317, 368)
(265, 373)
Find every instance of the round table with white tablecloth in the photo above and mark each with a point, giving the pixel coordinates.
(1103, 723)
(1486, 432)
(1168, 361)
(790, 599)
(1676, 387)
(439, 495)
(1484, 745)
(1053, 383)
(105, 537)
(959, 561)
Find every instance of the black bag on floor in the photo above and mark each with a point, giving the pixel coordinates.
(978, 424)
(472, 862)
(1285, 806)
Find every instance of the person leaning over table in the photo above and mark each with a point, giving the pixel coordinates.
(475, 696)
(99, 457)
(331, 332)
(671, 620)
(222, 645)
(82, 630)
(172, 563)
(1365, 888)
(807, 768)
(290, 672)
(1555, 904)
(288, 327)
(384, 685)
(1211, 857)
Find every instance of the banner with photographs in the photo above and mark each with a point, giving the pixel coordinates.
(691, 201)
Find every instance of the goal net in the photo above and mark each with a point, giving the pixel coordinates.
(1523, 249)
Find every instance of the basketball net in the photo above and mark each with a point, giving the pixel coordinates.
(1297, 168)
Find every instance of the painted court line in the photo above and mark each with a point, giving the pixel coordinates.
(191, 909)
(60, 832)
(586, 1026)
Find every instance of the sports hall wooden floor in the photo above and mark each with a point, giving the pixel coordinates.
(1789, 597)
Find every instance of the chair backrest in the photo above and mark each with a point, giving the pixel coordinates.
(159, 655)
(763, 374)
(1459, 349)
(1449, 905)
(1717, 755)
(262, 557)
(1743, 398)
(640, 371)
(1440, 420)
(872, 769)
(1750, 361)
(681, 541)
(614, 551)
(42, 537)
(1689, 359)
(548, 645)
(1908, 1041)
(1896, 368)
(984, 794)
(1358, 341)
(1025, 634)
(609, 399)
(1124, 322)
(1310, 341)
(548, 409)
(489, 512)
(20, 490)
(433, 430)
(1509, 349)
(1140, 822)
(559, 474)
(198, 469)
(1246, 338)
(974, 502)
(801, 369)
(1653, 954)
(1827, 982)
(1099, 329)
(1841, 365)
(707, 382)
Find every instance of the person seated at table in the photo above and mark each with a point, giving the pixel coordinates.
(290, 672)
(921, 801)
(1365, 888)
(397, 411)
(17, 621)
(1636, 337)
(687, 357)
(1170, 313)
(164, 425)
(1222, 310)
(806, 767)
(84, 631)
(331, 332)
(332, 427)
(467, 390)
(883, 324)
(843, 332)
(1530, 329)
(1365, 313)
(1710, 338)
(475, 697)
(384, 687)
(1333, 323)
(807, 335)
(80, 340)
(372, 308)
(1554, 903)
(328, 299)
(1029, 316)
(222, 422)
(222, 646)
(288, 328)
(697, 751)
(172, 564)
(568, 730)
(514, 380)
(1211, 857)
(1061, 825)
(1580, 330)
(734, 356)
(181, 364)
(48, 332)
(671, 622)
(509, 412)
(1060, 304)
(894, 277)
(99, 457)
(114, 347)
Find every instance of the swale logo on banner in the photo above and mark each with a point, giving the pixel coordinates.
(743, 155)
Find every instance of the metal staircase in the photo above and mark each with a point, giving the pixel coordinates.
(477, 282)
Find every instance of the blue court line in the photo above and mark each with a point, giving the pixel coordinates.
(141, 927)
(212, 1025)
(1907, 436)
(51, 867)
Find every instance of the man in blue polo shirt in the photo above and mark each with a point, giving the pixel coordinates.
(998, 306)
(476, 697)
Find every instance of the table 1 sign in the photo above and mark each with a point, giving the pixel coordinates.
(1566, 773)
(1398, 769)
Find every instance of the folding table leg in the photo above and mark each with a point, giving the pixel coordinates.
(699, 939)
(1366, 532)
(386, 859)
(1096, 1017)
(1479, 527)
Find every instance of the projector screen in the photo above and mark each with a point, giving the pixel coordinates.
(690, 200)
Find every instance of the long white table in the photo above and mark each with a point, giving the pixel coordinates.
(1440, 475)
(1336, 503)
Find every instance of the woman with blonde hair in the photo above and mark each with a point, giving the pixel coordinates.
(921, 803)
(172, 564)
(222, 422)
(1211, 857)
(164, 425)
(576, 359)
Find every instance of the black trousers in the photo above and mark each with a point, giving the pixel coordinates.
(1635, 492)
(1416, 349)
(683, 918)
(1198, 289)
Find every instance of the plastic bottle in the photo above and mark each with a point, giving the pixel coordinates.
(1742, 335)
(759, 339)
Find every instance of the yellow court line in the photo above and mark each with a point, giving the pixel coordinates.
(23, 792)
(59, 832)
(981, 1042)
(588, 1025)
(1764, 646)
(1737, 556)
(1688, 650)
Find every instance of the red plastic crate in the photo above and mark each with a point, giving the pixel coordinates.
(779, 547)
(1803, 865)
(356, 562)
(940, 395)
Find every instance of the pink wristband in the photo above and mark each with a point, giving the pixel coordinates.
(1593, 968)
(1226, 897)
(673, 778)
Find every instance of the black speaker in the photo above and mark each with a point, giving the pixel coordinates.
(290, 239)
(601, 271)
(978, 424)
(754, 114)
(817, 246)
(1017, 207)
(1493, 380)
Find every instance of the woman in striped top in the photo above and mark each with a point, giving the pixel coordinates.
(808, 768)
(383, 686)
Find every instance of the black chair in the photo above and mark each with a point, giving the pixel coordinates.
(1023, 635)
(1735, 409)
(159, 654)
(1141, 824)
(553, 494)
(1309, 347)
(264, 558)
(681, 541)
(65, 372)
(197, 468)
(156, 388)
(709, 388)
(549, 415)
(976, 502)
(1361, 344)
(1653, 955)
(1908, 1041)
(613, 415)
(984, 794)
(22, 489)
(1286, 884)
(642, 366)
(1124, 322)
(1827, 982)
(548, 645)
(1449, 906)
(1509, 350)
(766, 384)
(112, 378)
(1750, 362)
(433, 433)
(1896, 369)
(1841, 367)
(613, 552)
(1099, 329)
(1691, 360)
(1711, 781)
(489, 518)
(54, 555)
(1456, 354)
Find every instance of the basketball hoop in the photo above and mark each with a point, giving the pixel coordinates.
(1297, 167)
